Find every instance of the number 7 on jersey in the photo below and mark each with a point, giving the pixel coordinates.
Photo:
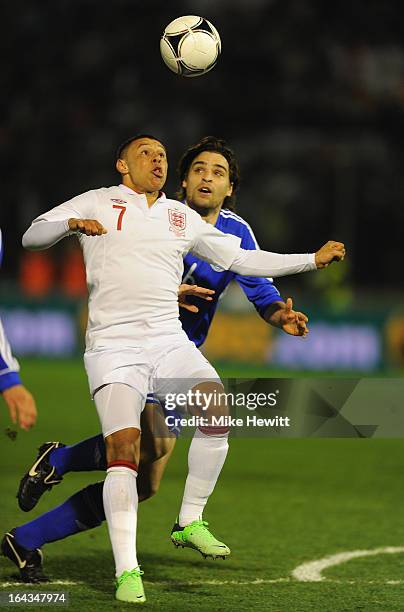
(120, 216)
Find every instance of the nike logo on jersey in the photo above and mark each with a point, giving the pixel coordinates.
(21, 563)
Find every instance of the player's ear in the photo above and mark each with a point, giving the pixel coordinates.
(184, 184)
(121, 166)
(230, 190)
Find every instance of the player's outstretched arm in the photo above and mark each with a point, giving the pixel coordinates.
(43, 234)
(264, 263)
(215, 247)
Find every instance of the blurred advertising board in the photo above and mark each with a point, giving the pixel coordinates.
(43, 328)
(347, 341)
(341, 343)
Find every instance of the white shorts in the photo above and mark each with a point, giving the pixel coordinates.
(130, 405)
(168, 364)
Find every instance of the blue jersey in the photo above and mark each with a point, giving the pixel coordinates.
(8, 365)
(260, 291)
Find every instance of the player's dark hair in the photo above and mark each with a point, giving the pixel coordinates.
(123, 147)
(216, 145)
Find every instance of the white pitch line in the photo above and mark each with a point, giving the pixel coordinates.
(256, 582)
(221, 582)
(311, 571)
(44, 585)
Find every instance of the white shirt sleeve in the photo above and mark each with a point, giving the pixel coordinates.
(224, 250)
(52, 226)
(43, 234)
(214, 246)
(263, 263)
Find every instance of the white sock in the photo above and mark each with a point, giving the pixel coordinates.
(206, 457)
(120, 505)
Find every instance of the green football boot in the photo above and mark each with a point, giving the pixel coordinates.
(197, 536)
(129, 586)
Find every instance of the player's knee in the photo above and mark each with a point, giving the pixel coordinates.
(123, 446)
(211, 399)
(121, 452)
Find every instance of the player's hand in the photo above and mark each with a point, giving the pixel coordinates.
(331, 251)
(293, 322)
(201, 292)
(90, 227)
(21, 406)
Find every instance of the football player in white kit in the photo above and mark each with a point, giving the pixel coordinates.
(133, 240)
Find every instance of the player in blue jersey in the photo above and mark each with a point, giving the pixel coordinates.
(20, 403)
(209, 178)
(205, 187)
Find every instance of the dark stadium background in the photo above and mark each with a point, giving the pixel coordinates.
(310, 95)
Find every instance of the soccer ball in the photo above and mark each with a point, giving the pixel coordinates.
(190, 46)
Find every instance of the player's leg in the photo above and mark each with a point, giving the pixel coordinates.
(87, 455)
(56, 459)
(150, 474)
(156, 446)
(120, 496)
(119, 407)
(53, 461)
(209, 446)
(82, 511)
(206, 456)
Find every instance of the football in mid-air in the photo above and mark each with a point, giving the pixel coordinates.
(190, 46)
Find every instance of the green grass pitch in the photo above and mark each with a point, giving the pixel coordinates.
(278, 504)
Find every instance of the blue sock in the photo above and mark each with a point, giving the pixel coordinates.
(85, 456)
(84, 510)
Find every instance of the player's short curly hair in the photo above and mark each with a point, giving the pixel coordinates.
(123, 147)
(216, 145)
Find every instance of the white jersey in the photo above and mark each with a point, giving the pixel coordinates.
(133, 271)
